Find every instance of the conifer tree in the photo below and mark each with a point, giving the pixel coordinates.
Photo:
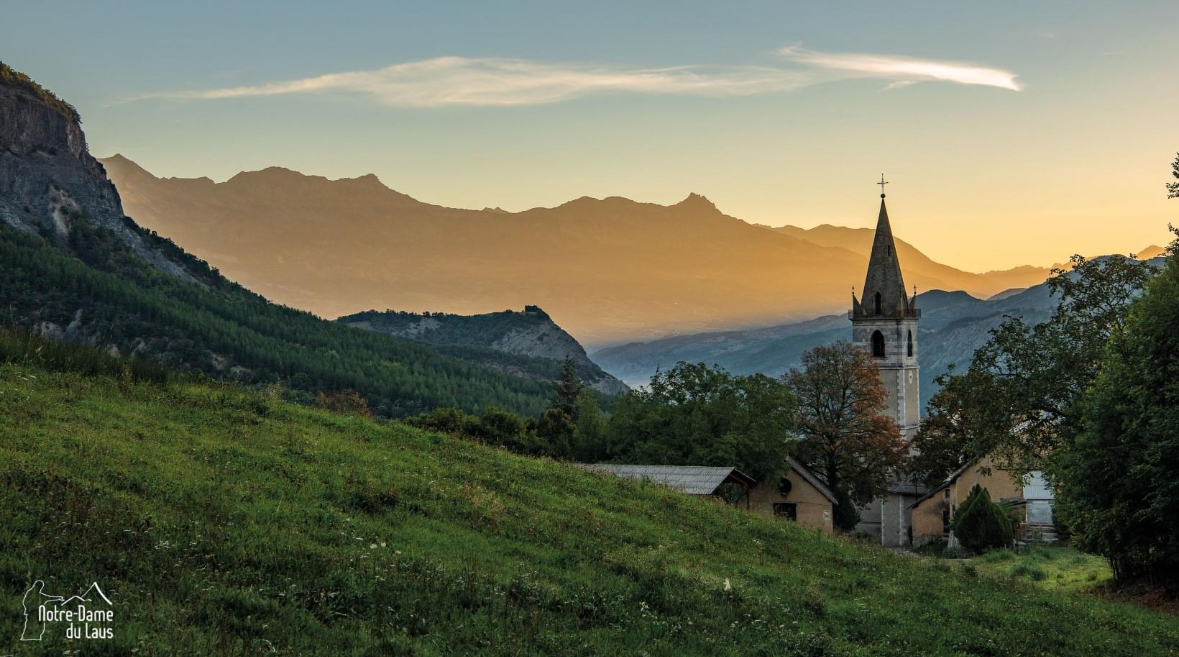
(568, 388)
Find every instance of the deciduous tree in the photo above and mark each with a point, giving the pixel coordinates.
(1025, 380)
(696, 415)
(842, 419)
(1118, 485)
(949, 435)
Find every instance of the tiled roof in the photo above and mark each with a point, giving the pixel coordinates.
(690, 479)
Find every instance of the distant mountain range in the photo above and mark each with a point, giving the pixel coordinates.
(609, 270)
(953, 325)
(74, 268)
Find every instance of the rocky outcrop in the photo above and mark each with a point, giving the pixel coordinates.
(48, 179)
(530, 333)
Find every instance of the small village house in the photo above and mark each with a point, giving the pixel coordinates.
(932, 512)
(795, 493)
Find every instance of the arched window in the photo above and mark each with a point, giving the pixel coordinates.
(878, 344)
(878, 303)
(910, 344)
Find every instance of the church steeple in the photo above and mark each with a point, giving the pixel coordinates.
(885, 325)
(884, 287)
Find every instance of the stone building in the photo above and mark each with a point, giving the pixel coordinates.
(1030, 499)
(931, 513)
(884, 323)
(795, 493)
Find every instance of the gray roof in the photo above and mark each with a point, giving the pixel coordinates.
(690, 479)
(812, 478)
(949, 480)
(906, 486)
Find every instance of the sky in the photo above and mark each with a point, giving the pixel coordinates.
(1011, 133)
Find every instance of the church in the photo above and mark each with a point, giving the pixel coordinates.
(884, 323)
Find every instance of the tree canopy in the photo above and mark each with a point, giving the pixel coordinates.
(696, 415)
(846, 433)
(1019, 394)
(1118, 485)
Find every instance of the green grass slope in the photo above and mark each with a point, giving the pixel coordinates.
(223, 522)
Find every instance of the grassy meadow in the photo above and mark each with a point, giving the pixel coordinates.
(227, 522)
(1051, 568)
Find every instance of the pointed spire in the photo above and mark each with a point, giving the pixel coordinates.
(884, 287)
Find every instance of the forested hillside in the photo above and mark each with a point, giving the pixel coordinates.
(106, 295)
(74, 268)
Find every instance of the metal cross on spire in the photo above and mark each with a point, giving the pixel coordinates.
(882, 183)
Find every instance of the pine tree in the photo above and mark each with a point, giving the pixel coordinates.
(568, 388)
(980, 524)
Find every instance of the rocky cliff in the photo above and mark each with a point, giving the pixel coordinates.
(48, 179)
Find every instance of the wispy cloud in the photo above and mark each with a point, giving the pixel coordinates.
(494, 81)
(485, 81)
(906, 69)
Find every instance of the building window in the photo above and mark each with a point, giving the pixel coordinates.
(784, 486)
(788, 510)
(878, 304)
(878, 344)
(910, 344)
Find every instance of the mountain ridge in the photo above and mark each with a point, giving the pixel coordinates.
(77, 269)
(613, 269)
(953, 324)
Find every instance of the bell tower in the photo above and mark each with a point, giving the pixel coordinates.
(884, 323)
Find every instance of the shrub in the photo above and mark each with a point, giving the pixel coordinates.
(1031, 572)
(445, 420)
(847, 516)
(347, 402)
(980, 524)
